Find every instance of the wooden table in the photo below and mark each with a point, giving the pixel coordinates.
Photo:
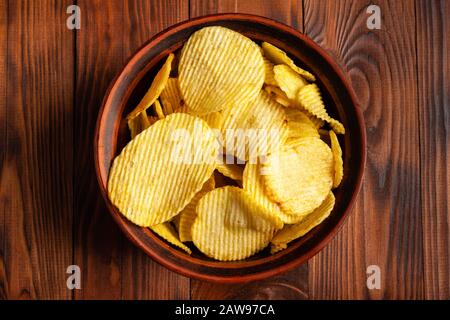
(52, 81)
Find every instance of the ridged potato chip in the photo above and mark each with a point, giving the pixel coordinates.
(299, 178)
(230, 170)
(158, 110)
(295, 231)
(188, 214)
(254, 129)
(219, 69)
(160, 170)
(167, 232)
(138, 124)
(337, 158)
(269, 75)
(278, 95)
(300, 125)
(310, 98)
(254, 185)
(230, 225)
(157, 86)
(213, 119)
(171, 96)
(288, 80)
(278, 56)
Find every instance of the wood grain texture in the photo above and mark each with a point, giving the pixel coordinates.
(36, 172)
(288, 11)
(111, 266)
(293, 285)
(4, 139)
(433, 61)
(385, 228)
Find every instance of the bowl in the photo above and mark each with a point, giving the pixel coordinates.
(130, 85)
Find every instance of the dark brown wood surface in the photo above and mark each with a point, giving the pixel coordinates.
(52, 82)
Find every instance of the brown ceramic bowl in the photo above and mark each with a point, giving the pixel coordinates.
(130, 85)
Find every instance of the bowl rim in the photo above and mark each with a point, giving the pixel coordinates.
(316, 247)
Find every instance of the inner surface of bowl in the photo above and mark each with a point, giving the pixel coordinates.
(132, 83)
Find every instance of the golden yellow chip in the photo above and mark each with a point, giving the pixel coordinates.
(188, 214)
(219, 69)
(278, 95)
(158, 109)
(230, 225)
(337, 157)
(299, 178)
(295, 231)
(213, 119)
(310, 98)
(274, 248)
(171, 96)
(253, 184)
(300, 125)
(255, 129)
(166, 231)
(230, 170)
(269, 75)
(298, 130)
(156, 88)
(277, 56)
(138, 124)
(160, 170)
(288, 80)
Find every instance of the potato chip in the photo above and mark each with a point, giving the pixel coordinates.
(219, 69)
(337, 158)
(158, 173)
(274, 248)
(277, 56)
(298, 130)
(213, 119)
(296, 115)
(167, 232)
(171, 96)
(138, 124)
(158, 110)
(188, 214)
(157, 86)
(269, 75)
(230, 225)
(310, 98)
(299, 178)
(288, 80)
(278, 95)
(230, 170)
(295, 231)
(255, 129)
(253, 184)
(300, 125)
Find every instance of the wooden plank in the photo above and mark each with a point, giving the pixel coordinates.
(36, 178)
(433, 60)
(293, 285)
(288, 11)
(385, 227)
(4, 138)
(112, 268)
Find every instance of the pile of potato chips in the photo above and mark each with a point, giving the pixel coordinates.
(229, 150)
